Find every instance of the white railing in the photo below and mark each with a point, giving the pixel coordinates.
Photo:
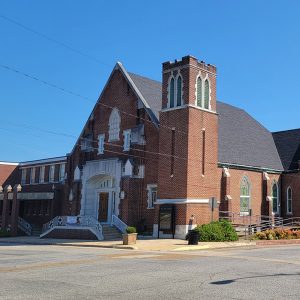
(119, 223)
(24, 226)
(80, 222)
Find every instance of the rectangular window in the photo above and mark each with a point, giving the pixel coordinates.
(203, 151)
(51, 173)
(42, 174)
(152, 195)
(62, 169)
(101, 139)
(32, 175)
(172, 151)
(127, 136)
(23, 179)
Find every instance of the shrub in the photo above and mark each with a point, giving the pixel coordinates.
(218, 231)
(131, 229)
(4, 233)
(278, 234)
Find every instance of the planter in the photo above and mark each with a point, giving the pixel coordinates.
(193, 237)
(129, 238)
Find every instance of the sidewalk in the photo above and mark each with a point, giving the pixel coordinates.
(142, 244)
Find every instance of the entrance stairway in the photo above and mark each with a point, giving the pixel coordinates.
(36, 230)
(111, 233)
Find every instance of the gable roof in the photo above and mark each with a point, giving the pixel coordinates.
(288, 145)
(242, 140)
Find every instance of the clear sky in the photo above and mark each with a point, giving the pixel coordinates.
(254, 44)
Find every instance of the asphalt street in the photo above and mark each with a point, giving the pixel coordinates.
(62, 272)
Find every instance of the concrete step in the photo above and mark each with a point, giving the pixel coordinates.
(111, 233)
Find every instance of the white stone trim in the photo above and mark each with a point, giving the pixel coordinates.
(182, 201)
(8, 163)
(47, 161)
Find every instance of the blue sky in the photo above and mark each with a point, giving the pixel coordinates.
(254, 44)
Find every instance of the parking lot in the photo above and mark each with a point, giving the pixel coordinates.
(64, 272)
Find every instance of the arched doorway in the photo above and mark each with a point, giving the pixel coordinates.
(100, 198)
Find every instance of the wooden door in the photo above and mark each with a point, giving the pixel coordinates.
(103, 207)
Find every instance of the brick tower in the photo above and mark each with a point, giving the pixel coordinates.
(188, 144)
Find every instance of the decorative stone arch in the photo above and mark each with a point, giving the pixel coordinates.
(100, 176)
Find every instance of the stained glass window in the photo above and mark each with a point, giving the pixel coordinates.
(172, 92)
(289, 200)
(179, 81)
(206, 94)
(275, 197)
(245, 196)
(199, 92)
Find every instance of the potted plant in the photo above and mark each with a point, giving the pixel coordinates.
(129, 238)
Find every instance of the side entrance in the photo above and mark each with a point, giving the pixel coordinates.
(103, 207)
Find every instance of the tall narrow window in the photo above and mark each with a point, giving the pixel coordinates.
(32, 175)
(101, 138)
(51, 173)
(23, 179)
(114, 125)
(289, 200)
(172, 92)
(127, 138)
(179, 93)
(275, 197)
(62, 169)
(206, 94)
(245, 196)
(199, 92)
(42, 174)
(172, 152)
(203, 152)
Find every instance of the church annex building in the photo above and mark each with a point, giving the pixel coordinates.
(153, 155)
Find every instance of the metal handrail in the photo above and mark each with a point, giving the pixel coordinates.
(24, 226)
(119, 223)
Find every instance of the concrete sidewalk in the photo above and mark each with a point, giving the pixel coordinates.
(142, 244)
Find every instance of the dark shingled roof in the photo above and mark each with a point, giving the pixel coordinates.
(242, 140)
(151, 91)
(288, 145)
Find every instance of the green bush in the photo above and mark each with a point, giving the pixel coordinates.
(131, 229)
(4, 233)
(218, 231)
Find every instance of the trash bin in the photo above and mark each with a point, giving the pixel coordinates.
(193, 237)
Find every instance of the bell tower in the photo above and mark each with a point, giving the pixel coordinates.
(188, 142)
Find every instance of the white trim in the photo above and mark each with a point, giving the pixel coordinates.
(188, 105)
(182, 201)
(101, 137)
(190, 66)
(126, 139)
(8, 163)
(44, 161)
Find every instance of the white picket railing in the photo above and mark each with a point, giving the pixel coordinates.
(81, 222)
(24, 226)
(119, 223)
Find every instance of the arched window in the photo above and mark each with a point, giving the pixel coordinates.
(199, 92)
(206, 94)
(179, 93)
(172, 92)
(114, 125)
(289, 200)
(275, 197)
(245, 195)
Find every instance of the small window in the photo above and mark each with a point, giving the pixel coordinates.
(51, 173)
(127, 136)
(32, 175)
(42, 174)
(289, 200)
(206, 94)
(62, 169)
(23, 179)
(172, 92)
(152, 195)
(179, 91)
(86, 143)
(101, 138)
(199, 92)
(114, 125)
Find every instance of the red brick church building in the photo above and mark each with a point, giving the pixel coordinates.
(153, 155)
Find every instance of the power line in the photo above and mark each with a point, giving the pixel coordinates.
(25, 27)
